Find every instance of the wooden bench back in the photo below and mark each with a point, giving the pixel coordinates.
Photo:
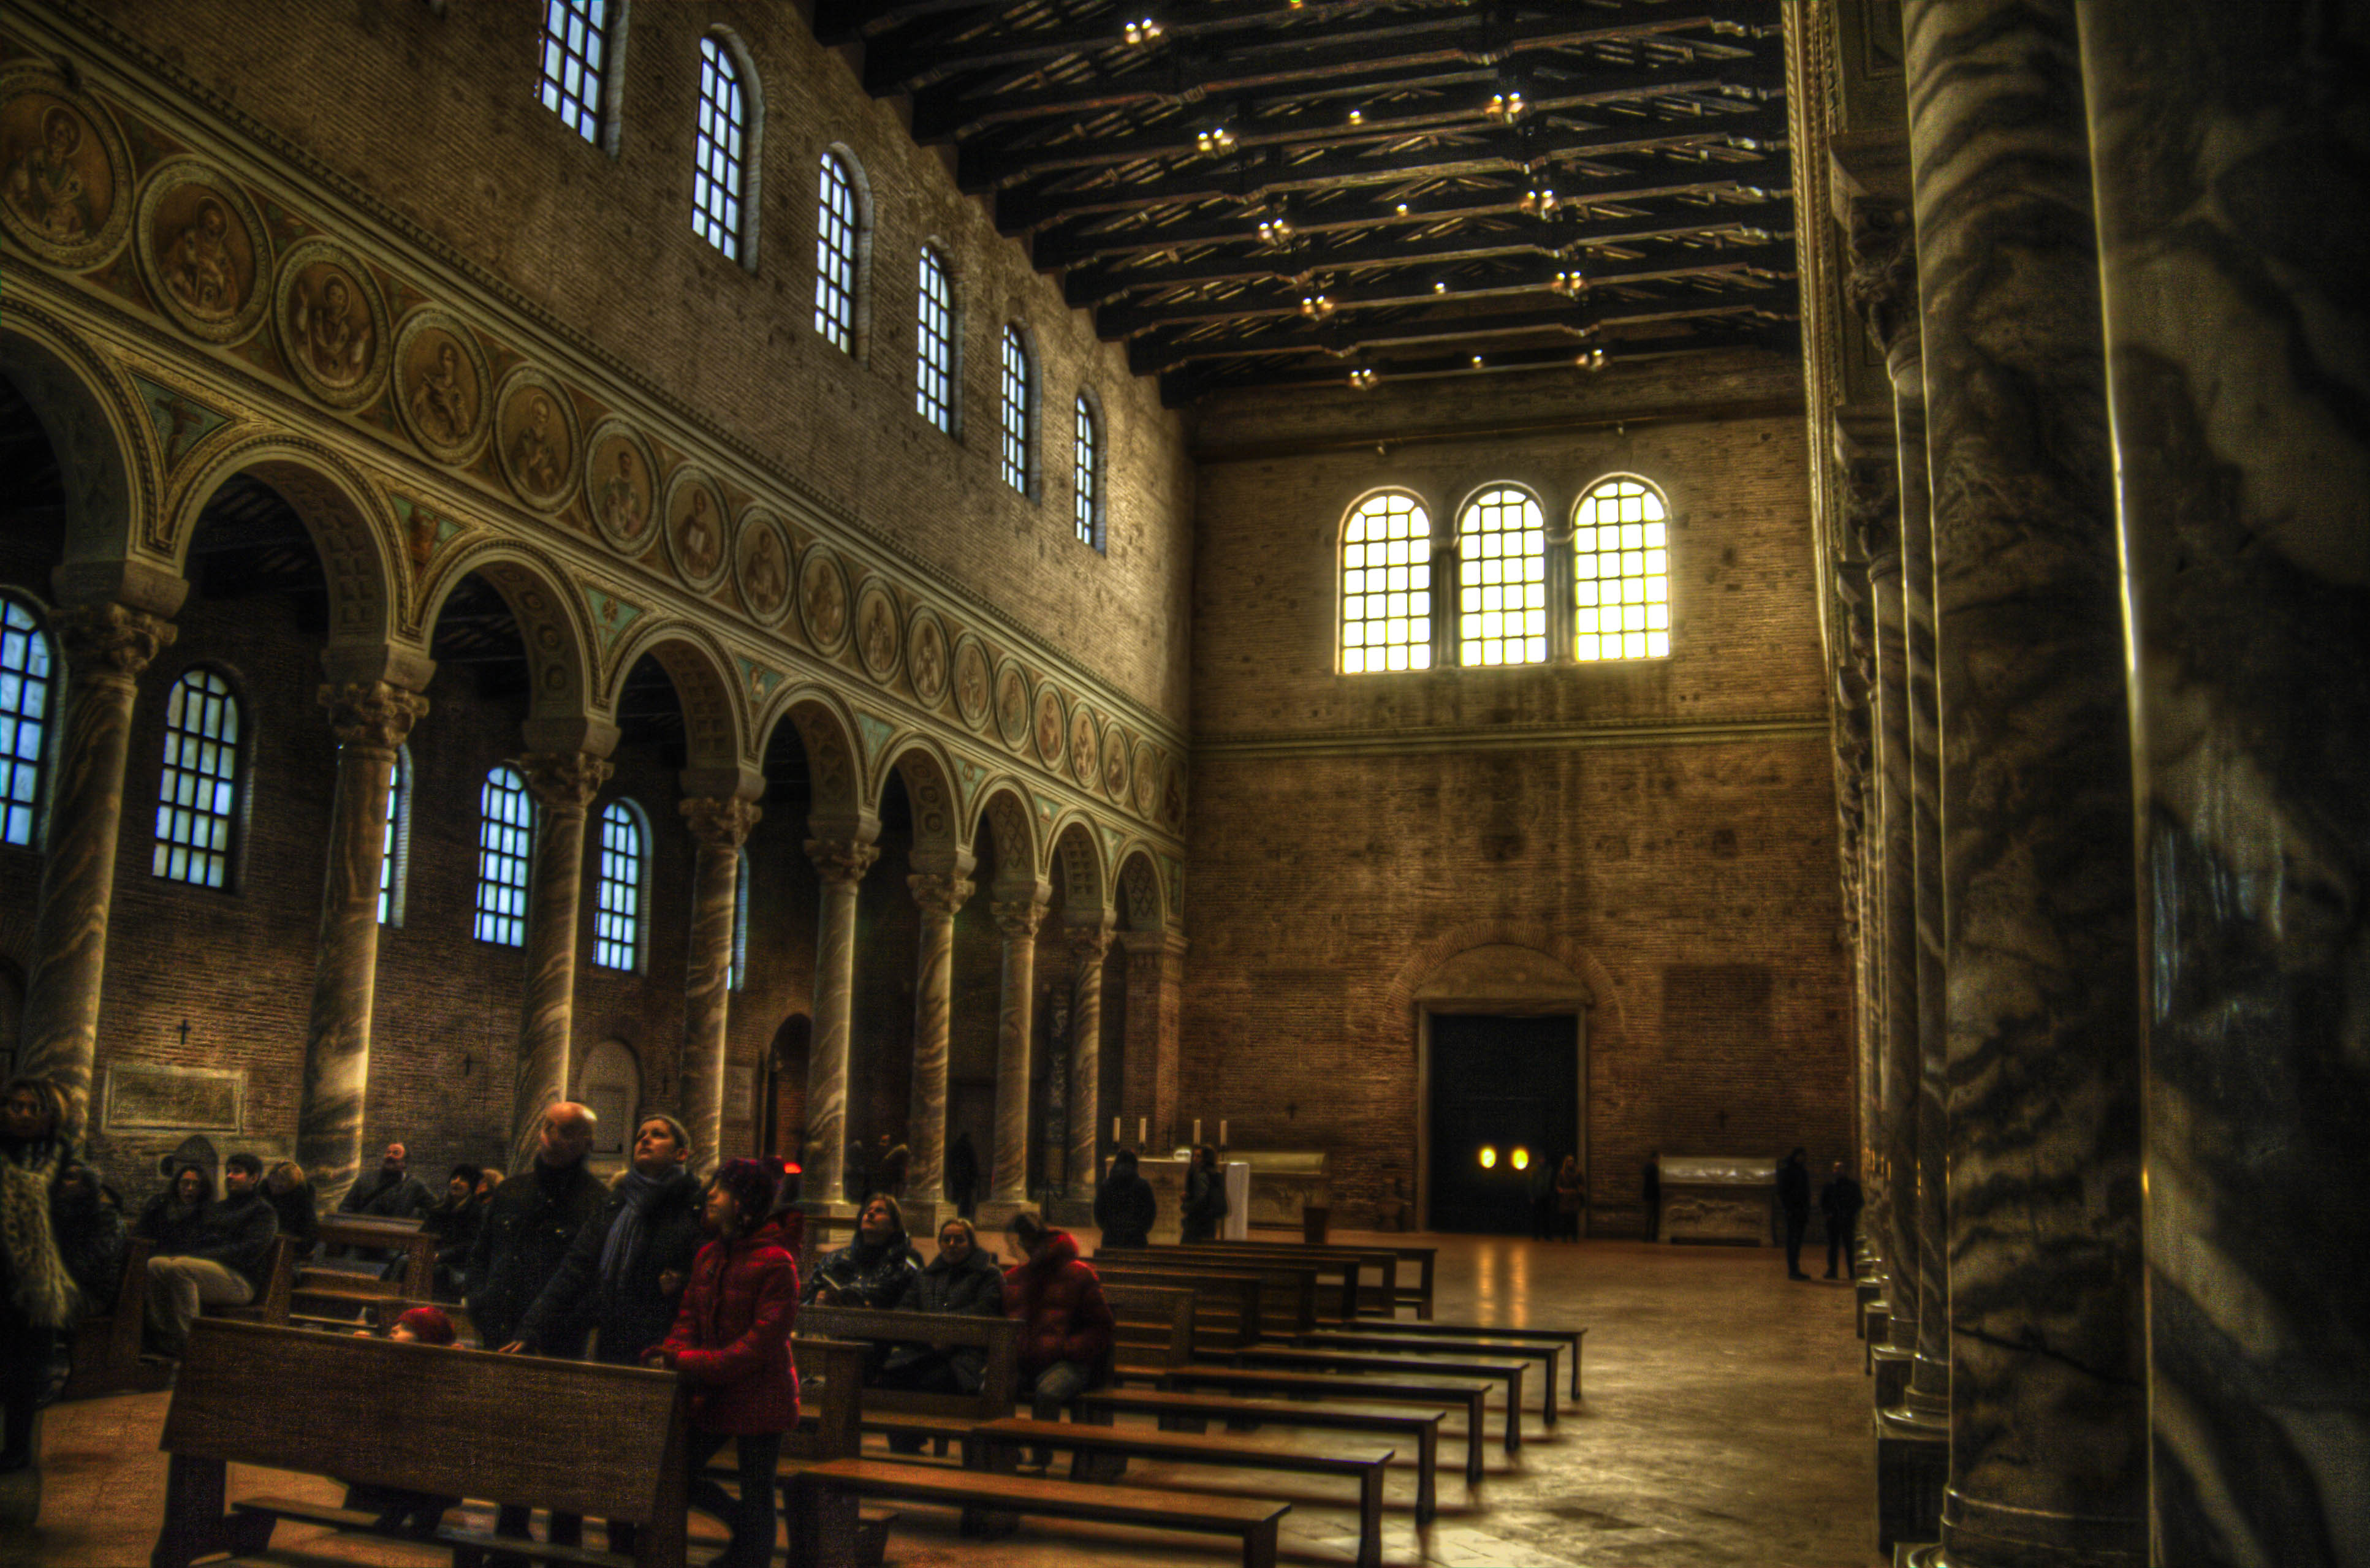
(1337, 1273)
(1226, 1307)
(1000, 1337)
(1382, 1293)
(1155, 1320)
(830, 1398)
(1288, 1290)
(107, 1340)
(271, 1302)
(573, 1436)
(406, 1235)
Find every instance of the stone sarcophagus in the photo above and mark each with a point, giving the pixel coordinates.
(1719, 1199)
(1283, 1182)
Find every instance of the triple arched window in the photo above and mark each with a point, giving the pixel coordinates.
(197, 799)
(1521, 596)
(617, 903)
(28, 698)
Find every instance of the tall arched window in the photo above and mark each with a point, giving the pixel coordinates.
(395, 841)
(576, 63)
(1621, 571)
(1386, 585)
(720, 168)
(505, 840)
(934, 343)
(27, 691)
(1502, 581)
(739, 919)
(1088, 486)
(617, 907)
(1015, 420)
(837, 232)
(197, 800)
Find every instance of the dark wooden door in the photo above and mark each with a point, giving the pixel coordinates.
(1499, 1085)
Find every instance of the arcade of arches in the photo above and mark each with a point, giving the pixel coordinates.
(482, 630)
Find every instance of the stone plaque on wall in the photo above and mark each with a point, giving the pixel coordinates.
(195, 1099)
(740, 1094)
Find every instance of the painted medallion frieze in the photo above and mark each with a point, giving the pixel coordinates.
(332, 323)
(535, 428)
(761, 563)
(925, 658)
(442, 386)
(65, 179)
(1085, 750)
(203, 251)
(1051, 725)
(973, 682)
(621, 485)
(822, 600)
(1012, 704)
(878, 639)
(695, 531)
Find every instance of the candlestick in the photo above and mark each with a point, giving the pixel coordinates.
(1143, 1132)
(1222, 1133)
(1197, 1131)
(1114, 1129)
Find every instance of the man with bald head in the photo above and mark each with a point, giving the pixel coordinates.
(392, 1191)
(529, 1224)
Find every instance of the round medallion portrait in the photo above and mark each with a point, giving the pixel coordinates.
(1049, 724)
(761, 565)
(925, 658)
(66, 180)
(331, 323)
(442, 385)
(536, 439)
(974, 681)
(823, 602)
(621, 484)
(1086, 754)
(1147, 778)
(878, 636)
(1012, 704)
(203, 251)
(1115, 764)
(694, 528)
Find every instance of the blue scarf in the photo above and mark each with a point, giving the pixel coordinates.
(625, 1241)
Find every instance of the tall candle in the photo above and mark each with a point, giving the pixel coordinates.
(1197, 1130)
(1143, 1131)
(1222, 1133)
(1114, 1129)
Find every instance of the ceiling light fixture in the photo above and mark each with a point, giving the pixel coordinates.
(1570, 283)
(1477, 361)
(1506, 107)
(1402, 208)
(1438, 287)
(1317, 305)
(1362, 379)
(1592, 361)
(1215, 139)
(1143, 30)
(1357, 117)
(1276, 230)
(1538, 201)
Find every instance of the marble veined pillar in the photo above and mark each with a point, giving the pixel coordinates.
(370, 720)
(2048, 1424)
(841, 863)
(940, 896)
(107, 647)
(1018, 919)
(564, 784)
(2226, 143)
(1089, 943)
(1895, 905)
(719, 826)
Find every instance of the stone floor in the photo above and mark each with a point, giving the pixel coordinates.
(1726, 1422)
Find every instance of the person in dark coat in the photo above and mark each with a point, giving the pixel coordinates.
(37, 1293)
(1794, 1200)
(1540, 1187)
(222, 1262)
(888, 1171)
(876, 1269)
(962, 1281)
(455, 1221)
(732, 1343)
(171, 1217)
(290, 1195)
(390, 1192)
(1125, 1206)
(1205, 1197)
(1065, 1324)
(532, 1220)
(1652, 1189)
(623, 1277)
(1840, 1201)
(92, 1238)
(962, 1173)
(1570, 1197)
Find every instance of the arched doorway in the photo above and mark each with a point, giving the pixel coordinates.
(782, 1093)
(612, 1089)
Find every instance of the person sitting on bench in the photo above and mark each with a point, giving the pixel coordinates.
(731, 1344)
(221, 1261)
(961, 1281)
(1065, 1340)
(173, 1217)
(400, 1511)
(291, 1197)
(453, 1219)
(876, 1269)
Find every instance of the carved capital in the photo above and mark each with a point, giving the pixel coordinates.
(1018, 916)
(720, 823)
(1089, 943)
(1882, 285)
(1872, 508)
(109, 639)
(842, 862)
(939, 895)
(565, 780)
(371, 714)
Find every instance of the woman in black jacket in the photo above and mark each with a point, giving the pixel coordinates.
(876, 1269)
(1125, 1207)
(173, 1217)
(962, 1281)
(1205, 1197)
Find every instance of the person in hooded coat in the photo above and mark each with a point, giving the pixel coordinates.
(1126, 1209)
(37, 1294)
(1205, 1197)
(1065, 1338)
(876, 1269)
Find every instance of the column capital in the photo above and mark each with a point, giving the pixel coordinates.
(720, 823)
(1089, 942)
(110, 639)
(565, 780)
(371, 715)
(939, 895)
(1153, 943)
(1018, 917)
(842, 862)
(1882, 286)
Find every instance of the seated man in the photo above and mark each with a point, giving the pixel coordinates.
(454, 1222)
(391, 1192)
(1066, 1342)
(222, 1257)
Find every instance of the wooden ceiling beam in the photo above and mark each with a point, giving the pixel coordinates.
(910, 63)
(1185, 385)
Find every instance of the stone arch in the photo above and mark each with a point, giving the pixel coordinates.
(1143, 901)
(1607, 1026)
(559, 650)
(1086, 887)
(697, 665)
(347, 526)
(930, 785)
(1003, 814)
(826, 729)
(95, 428)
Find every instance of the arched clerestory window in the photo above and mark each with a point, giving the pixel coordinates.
(1621, 571)
(395, 841)
(27, 699)
(838, 238)
(739, 970)
(505, 842)
(617, 914)
(1386, 585)
(1019, 390)
(574, 69)
(197, 798)
(1088, 474)
(721, 170)
(934, 341)
(1501, 579)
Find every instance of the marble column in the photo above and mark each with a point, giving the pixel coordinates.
(841, 863)
(1019, 920)
(2047, 1414)
(1155, 972)
(1089, 943)
(106, 646)
(563, 784)
(370, 720)
(2226, 143)
(719, 825)
(940, 896)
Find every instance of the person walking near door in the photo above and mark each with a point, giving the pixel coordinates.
(1794, 1198)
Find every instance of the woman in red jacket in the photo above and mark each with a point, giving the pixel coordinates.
(1065, 1340)
(732, 1343)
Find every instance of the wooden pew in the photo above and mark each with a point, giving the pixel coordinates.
(1226, 1305)
(1359, 1363)
(1191, 1412)
(1334, 1286)
(1545, 1352)
(359, 1288)
(1403, 1276)
(1470, 1394)
(271, 1302)
(1288, 1291)
(504, 1428)
(946, 1417)
(1571, 1337)
(1154, 1326)
(106, 1343)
